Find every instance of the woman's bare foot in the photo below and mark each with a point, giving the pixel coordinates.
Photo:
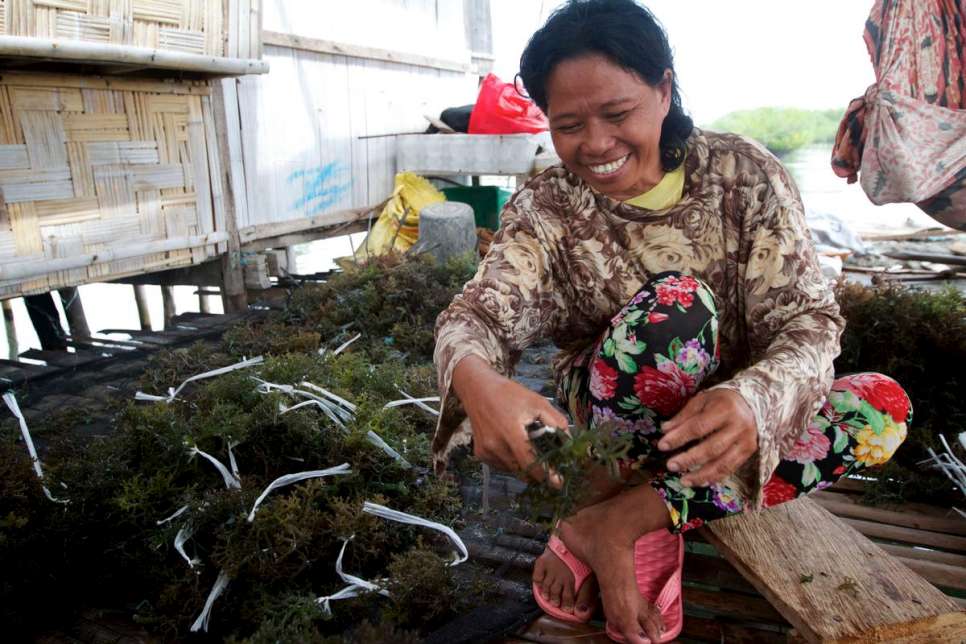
(555, 582)
(599, 536)
(553, 577)
(628, 613)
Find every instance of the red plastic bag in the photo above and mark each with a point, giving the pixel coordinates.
(500, 109)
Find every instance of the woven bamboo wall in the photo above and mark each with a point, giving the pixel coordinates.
(88, 165)
(227, 28)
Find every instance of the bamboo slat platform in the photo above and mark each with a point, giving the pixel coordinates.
(95, 370)
(835, 586)
(800, 574)
(104, 178)
(204, 36)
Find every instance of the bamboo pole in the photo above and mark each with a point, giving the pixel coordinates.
(317, 46)
(15, 271)
(291, 261)
(170, 310)
(908, 535)
(234, 295)
(91, 52)
(925, 554)
(11, 328)
(938, 574)
(846, 507)
(74, 309)
(141, 299)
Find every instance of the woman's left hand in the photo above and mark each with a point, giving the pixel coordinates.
(724, 426)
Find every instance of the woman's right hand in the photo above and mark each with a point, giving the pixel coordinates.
(500, 410)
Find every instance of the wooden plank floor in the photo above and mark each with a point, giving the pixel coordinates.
(721, 605)
(831, 582)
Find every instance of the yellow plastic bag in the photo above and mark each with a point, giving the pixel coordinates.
(397, 227)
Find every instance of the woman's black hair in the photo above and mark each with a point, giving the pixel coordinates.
(624, 32)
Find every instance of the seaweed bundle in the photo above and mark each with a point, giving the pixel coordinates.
(153, 523)
(111, 546)
(917, 337)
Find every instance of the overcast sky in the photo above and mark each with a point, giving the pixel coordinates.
(736, 54)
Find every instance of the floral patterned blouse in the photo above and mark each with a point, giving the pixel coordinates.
(567, 258)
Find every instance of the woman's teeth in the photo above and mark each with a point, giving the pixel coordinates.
(608, 168)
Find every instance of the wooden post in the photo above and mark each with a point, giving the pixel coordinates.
(485, 509)
(74, 308)
(170, 310)
(290, 260)
(446, 230)
(233, 293)
(141, 299)
(11, 328)
(203, 305)
(45, 319)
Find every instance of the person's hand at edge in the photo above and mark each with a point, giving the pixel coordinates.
(500, 410)
(724, 427)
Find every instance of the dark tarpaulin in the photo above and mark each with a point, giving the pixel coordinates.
(905, 139)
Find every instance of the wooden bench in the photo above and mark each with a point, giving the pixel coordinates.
(831, 582)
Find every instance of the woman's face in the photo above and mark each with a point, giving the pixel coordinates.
(606, 124)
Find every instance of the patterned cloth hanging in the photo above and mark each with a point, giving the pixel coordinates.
(906, 137)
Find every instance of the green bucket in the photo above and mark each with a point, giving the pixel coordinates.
(487, 202)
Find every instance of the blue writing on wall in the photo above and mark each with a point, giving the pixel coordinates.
(322, 187)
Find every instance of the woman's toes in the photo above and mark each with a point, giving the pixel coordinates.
(651, 622)
(556, 591)
(543, 576)
(539, 571)
(586, 598)
(567, 599)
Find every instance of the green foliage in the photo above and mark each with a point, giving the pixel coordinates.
(421, 587)
(392, 301)
(121, 485)
(782, 130)
(918, 338)
(567, 456)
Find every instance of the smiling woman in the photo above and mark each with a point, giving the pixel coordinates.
(674, 269)
(608, 128)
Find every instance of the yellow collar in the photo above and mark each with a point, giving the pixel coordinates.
(665, 194)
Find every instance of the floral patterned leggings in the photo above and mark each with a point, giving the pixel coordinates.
(654, 356)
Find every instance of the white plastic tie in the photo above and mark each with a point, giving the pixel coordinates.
(201, 624)
(345, 345)
(331, 396)
(179, 540)
(540, 431)
(402, 517)
(14, 408)
(348, 592)
(173, 393)
(377, 440)
(338, 409)
(356, 586)
(231, 481)
(177, 513)
(265, 387)
(231, 460)
(284, 409)
(289, 479)
(410, 401)
(328, 407)
(418, 402)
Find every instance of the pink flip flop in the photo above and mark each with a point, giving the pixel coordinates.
(658, 563)
(581, 572)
